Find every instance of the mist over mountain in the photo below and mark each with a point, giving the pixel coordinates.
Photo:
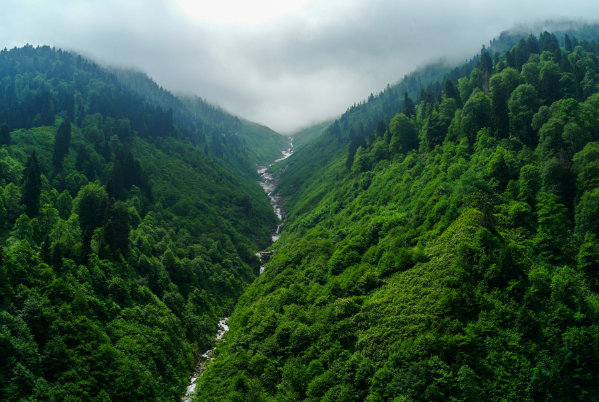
(286, 72)
(439, 242)
(432, 237)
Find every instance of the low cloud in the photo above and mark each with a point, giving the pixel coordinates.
(301, 68)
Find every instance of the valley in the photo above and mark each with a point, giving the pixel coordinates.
(269, 183)
(438, 241)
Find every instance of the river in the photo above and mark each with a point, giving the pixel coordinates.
(203, 360)
(268, 183)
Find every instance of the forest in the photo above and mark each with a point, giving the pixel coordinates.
(441, 242)
(128, 228)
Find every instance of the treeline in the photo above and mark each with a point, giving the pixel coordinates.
(235, 144)
(429, 84)
(79, 87)
(450, 255)
(121, 243)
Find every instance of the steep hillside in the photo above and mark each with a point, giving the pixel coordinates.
(121, 243)
(306, 135)
(448, 253)
(425, 84)
(261, 144)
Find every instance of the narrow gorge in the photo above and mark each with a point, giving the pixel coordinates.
(269, 183)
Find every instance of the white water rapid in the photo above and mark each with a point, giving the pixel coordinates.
(268, 183)
(203, 360)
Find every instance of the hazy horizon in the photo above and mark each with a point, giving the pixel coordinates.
(283, 68)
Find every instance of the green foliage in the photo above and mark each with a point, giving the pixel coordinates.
(523, 104)
(306, 135)
(4, 134)
(462, 266)
(475, 115)
(32, 186)
(586, 166)
(61, 143)
(122, 242)
(587, 213)
(405, 134)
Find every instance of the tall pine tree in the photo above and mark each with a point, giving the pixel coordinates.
(32, 186)
(118, 177)
(61, 143)
(452, 92)
(4, 134)
(499, 112)
(409, 107)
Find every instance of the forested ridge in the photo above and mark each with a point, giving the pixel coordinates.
(260, 144)
(448, 252)
(127, 229)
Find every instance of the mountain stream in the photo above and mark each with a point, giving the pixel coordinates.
(268, 183)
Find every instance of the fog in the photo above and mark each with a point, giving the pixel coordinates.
(286, 72)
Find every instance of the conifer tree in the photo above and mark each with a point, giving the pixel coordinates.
(521, 54)
(82, 157)
(409, 107)
(510, 59)
(499, 112)
(353, 147)
(486, 63)
(118, 178)
(533, 44)
(62, 143)
(452, 92)
(4, 134)
(568, 43)
(380, 129)
(363, 143)
(32, 186)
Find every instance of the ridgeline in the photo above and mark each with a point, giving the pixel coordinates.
(440, 243)
(447, 252)
(128, 226)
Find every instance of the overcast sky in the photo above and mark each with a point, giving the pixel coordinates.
(282, 63)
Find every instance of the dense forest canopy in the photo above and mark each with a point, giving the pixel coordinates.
(128, 227)
(441, 241)
(260, 144)
(447, 252)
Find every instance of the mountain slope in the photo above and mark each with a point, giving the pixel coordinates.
(308, 134)
(451, 255)
(263, 144)
(425, 83)
(122, 243)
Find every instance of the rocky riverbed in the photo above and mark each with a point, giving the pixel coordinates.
(268, 183)
(203, 360)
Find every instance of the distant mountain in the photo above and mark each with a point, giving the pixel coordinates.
(128, 228)
(262, 144)
(303, 136)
